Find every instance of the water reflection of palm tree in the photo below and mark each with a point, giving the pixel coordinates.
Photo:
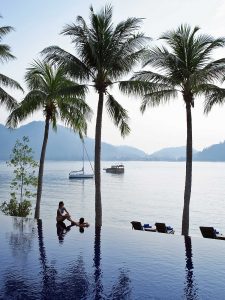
(191, 289)
(75, 282)
(97, 260)
(49, 272)
(121, 289)
(72, 282)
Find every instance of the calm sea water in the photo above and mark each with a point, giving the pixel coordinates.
(147, 192)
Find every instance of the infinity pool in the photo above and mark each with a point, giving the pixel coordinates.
(36, 263)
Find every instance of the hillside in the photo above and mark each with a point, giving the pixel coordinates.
(213, 153)
(62, 145)
(170, 154)
(66, 145)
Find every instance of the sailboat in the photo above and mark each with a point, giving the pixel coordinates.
(81, 174)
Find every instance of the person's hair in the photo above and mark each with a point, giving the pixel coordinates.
(81, 220)
(60, 203)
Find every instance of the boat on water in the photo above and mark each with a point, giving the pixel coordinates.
(81, 174)
(115, 169)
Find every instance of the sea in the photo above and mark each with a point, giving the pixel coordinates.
(148, 192)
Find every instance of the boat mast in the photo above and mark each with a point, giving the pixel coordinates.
(83, 154)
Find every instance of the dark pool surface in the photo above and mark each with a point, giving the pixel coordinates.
(36, 263)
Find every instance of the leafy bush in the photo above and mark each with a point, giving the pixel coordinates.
(24, 181)
(15, 208)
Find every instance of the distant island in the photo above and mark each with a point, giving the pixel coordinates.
(66, 145)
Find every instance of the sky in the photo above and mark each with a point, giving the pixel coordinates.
(38, 24)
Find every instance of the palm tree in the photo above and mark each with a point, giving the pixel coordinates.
(185, 67)
(5, 55)
(59, 98)
(105, 53)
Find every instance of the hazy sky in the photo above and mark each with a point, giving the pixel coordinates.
(38, 24)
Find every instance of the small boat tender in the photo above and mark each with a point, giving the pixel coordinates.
(115, 169)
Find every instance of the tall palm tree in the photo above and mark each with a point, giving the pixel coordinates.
(5, 55)
(59, 98)
(105, 53)
(186, 67)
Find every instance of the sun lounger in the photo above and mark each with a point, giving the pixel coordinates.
(136, 225)
(162, 228)
(211, 233)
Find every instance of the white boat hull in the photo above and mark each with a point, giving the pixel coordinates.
(80, 176)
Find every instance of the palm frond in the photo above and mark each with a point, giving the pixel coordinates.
(38, 75)
(8, 82)
(153, 77)
(69, 89)
(75, 113)
(214, 95)
(118, 114)
(7, 100)
(5, 30)
(73, 65)
(5, 53)
(209, 46)
(140, 88)
(167, 63)
(156, 98)
(32, 102)
(125, 29)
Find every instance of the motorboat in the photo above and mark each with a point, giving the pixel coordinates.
(115, 169)
(81, 174)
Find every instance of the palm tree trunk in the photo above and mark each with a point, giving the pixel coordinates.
(98, 135)
(41, 168)
(188, 177)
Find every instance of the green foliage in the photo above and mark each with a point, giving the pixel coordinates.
(183, 65)
(14, 208)
(105, 52)
(24, 180)
(51, 91)
(5, 55)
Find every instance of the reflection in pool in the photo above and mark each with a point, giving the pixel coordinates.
(106, 263)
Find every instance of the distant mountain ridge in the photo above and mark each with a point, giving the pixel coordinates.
(214, 153)
(62, 145)
(66, 145)
(170, 154)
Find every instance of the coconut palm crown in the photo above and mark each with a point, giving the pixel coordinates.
(58, 97)
(104, 54)
(6, 82)
(183, 65)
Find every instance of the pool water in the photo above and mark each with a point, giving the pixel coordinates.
(40, 262)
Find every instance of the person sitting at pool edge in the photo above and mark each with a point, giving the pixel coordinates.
(63, 214)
